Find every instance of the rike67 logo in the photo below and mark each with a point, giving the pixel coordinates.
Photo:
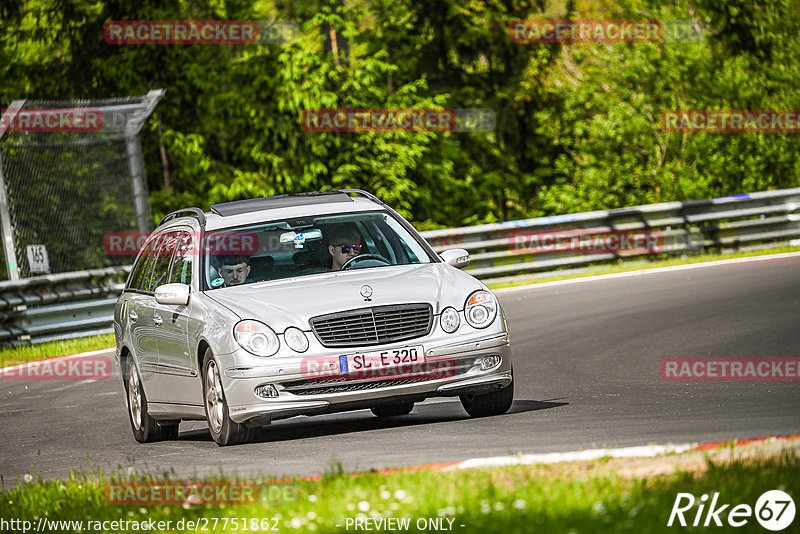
(774, 510)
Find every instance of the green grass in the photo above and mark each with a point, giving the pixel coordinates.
(43, 351)
(626, 266)
(580, 497)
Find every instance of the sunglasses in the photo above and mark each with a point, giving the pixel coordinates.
(348, 248)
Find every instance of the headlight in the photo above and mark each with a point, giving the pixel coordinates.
(480, 309)
(256, 337)
(296, 339)
(449, 320)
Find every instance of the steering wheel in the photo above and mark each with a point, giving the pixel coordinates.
(355, 259)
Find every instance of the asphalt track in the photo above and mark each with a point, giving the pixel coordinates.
(586, 359)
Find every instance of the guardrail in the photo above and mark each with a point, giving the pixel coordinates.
(78, 304)
(515, 249)
(59, 306)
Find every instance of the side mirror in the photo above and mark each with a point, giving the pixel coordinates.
(173, 294)
(457, 257)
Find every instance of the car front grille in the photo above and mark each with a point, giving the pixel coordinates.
(373, 326)
(347, 387)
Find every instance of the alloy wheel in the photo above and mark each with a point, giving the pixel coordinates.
(214, 403)
(135, 398)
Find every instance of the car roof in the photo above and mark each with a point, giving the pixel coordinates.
(215, 221)
(252, 211)
(277, 202)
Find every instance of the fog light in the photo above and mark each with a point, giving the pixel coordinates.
(489, 361)
(267, 391)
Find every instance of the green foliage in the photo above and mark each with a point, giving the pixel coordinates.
(605, 105)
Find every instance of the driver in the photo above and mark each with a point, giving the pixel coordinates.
(345, 244)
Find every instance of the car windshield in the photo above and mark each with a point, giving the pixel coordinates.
(308, 245)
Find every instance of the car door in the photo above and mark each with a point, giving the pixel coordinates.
(159, 272)
(176, 365)
(138, 314)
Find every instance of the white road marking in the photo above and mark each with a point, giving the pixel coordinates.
(644, 451)
(70, 385)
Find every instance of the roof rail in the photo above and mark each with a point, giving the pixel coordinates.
(190, 212)
(364, 193)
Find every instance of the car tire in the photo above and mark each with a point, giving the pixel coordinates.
(494, 403)
(224, 430)
(145, 428)
(393, 410)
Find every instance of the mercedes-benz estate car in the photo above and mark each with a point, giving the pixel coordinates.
(303, 304)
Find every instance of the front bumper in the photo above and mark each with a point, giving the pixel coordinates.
(299, 395)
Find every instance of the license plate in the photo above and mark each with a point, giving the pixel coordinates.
(368, 361)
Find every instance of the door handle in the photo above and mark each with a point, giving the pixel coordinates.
(157, 319)
(132, 316)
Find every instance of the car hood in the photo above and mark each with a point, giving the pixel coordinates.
(293, 301)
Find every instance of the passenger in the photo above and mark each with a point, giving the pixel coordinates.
(233, 269)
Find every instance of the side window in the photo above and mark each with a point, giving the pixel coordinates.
(139, 270)
(162, 256)
(181, 272)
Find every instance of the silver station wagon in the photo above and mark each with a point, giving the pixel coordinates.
(303, 304)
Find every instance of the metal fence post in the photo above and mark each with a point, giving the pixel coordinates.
(6, 230)
(141, 202)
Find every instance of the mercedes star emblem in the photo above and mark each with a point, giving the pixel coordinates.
(366, 292)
